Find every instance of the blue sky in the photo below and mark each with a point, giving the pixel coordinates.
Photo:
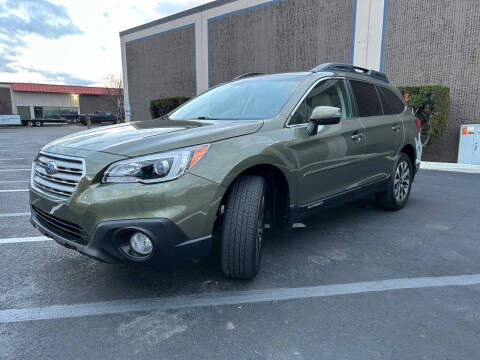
(72, 41)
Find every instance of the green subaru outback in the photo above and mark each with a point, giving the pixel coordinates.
(261, 151)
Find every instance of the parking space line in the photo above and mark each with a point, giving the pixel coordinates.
(13, 181)
(13, 190)
(15, 169)
(24, 240)
(10, 166)
(15, 214)
(228, 298)
(13, 158)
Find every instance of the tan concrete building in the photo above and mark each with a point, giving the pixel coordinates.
(45, 101)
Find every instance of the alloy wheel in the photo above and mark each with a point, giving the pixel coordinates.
(401, 182)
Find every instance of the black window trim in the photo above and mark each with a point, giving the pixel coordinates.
(357, 112)
(402, 100)
(304, 96)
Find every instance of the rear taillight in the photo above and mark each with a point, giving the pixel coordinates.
(419, 124)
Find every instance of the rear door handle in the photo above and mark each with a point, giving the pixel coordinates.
(396, 128)
(357, 137)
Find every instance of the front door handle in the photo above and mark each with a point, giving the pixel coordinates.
(396, 128)
(357, 137)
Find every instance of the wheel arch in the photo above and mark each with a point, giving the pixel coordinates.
(411, 153)
(278, 190)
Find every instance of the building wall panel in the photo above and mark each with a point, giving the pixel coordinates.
(5, 101)
(279, 36)
(89, 104)
(158, 66)
(436, 42)
(44, 99)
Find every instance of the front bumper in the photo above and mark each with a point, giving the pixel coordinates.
(174, 212)
(108, 242)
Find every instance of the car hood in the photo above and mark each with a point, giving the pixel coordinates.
(145, 137)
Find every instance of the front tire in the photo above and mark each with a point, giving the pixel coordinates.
(243, 228)
(399, 185)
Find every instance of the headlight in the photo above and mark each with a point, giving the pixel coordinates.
(156, 167)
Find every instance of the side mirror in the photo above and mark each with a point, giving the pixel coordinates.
(323, 115)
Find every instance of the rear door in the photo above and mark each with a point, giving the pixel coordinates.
(329, 162)
(384, 133)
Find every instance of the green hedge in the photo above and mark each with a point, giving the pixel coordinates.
(160, 107)
(430, 104)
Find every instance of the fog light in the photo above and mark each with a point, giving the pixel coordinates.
(141, 243)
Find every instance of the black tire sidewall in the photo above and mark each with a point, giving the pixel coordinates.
(243, 237)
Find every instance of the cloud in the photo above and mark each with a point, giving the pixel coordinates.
(5, 65)
(35, 17)
(59, 77)
(7, 55)
(19, 19)
(169, 7)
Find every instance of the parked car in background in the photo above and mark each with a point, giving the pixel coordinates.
(98, 118)
(261, 151)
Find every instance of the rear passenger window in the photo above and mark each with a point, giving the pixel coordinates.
(395, 105)
(368, 102)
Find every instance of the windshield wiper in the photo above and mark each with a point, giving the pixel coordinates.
(204, 118)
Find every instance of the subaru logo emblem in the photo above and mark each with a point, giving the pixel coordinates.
(51, 167)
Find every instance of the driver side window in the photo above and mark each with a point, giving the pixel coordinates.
(330, 92)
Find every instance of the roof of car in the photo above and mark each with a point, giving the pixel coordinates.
(329, 69)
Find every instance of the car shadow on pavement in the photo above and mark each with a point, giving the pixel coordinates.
(205, 275)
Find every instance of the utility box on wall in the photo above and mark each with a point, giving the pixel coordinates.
(469, 144)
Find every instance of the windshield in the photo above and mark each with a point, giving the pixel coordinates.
(254, 98)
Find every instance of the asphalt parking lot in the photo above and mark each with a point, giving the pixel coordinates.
(354, 283)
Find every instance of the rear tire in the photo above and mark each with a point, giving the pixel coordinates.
(243, 228)
(399, 185)
(38, 123)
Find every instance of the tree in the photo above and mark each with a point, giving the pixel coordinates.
(114, 84)
(430, 104)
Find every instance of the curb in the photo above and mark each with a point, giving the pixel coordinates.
(465, 168)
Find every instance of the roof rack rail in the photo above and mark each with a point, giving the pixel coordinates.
(249, 74)
(351, 69)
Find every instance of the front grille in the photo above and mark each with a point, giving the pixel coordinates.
(66, 229)
(63, 182)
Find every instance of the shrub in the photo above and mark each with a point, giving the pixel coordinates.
(430, 104)
(163, 106)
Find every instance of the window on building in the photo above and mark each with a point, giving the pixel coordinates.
(325, 93)
(368, 102)
(24, 112)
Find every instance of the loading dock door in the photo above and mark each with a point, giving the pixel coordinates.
(469, 145)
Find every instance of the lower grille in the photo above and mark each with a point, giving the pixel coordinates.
(66, 229)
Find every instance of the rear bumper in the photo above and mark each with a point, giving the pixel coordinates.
(110, 239)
